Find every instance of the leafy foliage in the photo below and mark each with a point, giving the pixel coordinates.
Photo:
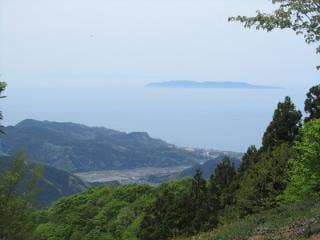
(103, 212)
(180, 208)
(16, 209)
(305, 173)
(302, 16)
(167, 216)
(189, 206)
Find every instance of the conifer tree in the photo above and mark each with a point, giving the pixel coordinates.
(248, 159)
(260, 187)
(221, 180)
(155, 224)
(199, 207)
(198, 186)
(284, 126)
(312, 103)
(213, 201)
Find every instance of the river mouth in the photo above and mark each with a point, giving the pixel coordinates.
(152, 175)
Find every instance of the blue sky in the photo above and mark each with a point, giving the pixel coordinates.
(57, 56)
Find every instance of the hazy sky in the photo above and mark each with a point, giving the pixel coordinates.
(86, 61)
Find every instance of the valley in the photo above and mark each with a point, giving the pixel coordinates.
(152, 175)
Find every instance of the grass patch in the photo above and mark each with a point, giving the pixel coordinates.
(270, 224)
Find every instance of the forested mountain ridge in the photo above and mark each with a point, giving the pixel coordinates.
(75, 148)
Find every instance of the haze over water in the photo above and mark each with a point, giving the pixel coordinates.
(88, 62)
(227, 119)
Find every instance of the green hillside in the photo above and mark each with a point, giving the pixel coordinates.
(78, 148)
(104, 212)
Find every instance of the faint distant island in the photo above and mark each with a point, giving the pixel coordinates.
(208, 84)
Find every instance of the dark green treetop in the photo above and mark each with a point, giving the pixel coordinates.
(221, 182)
(224, 173)
(284, 125)
(198, 203)
(312, 103)
(248, 159)
(198, 186)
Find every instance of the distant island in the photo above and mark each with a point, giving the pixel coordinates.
(208, 84)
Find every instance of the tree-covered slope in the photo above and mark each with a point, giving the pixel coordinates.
(53, 184)
(75, 147)
(103, 212)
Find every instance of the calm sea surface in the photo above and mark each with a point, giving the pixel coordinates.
(213, 118)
